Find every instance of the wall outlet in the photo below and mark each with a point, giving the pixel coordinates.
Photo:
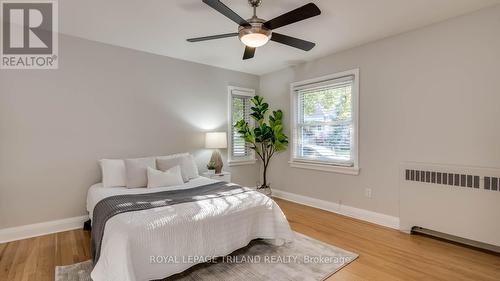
(368, 192)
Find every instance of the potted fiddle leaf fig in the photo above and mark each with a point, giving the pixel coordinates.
(265, 136)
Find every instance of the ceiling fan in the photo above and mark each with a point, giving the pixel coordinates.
(256, 32)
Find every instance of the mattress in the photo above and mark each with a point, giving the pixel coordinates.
(156, 243)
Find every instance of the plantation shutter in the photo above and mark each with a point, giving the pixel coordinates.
(324, 123)
(240, 105)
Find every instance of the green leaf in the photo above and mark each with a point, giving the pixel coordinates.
(263, 135)
(278, 114)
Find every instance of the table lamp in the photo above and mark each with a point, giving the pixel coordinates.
(216, 140)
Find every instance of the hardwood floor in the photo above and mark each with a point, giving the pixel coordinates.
(384, 254)
(36, 258)
(387, 254)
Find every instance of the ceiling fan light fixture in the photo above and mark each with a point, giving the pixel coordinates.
(254, 36)
(254, 39)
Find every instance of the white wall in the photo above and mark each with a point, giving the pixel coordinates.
(103, 101)
(431, 95)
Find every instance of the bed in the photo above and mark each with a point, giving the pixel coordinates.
(159, 242)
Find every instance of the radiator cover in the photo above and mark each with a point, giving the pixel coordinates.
(457, 200)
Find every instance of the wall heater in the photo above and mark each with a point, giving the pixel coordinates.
(456, 203)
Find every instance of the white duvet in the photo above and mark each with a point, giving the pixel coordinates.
(156, 243)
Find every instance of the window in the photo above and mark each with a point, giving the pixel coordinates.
(239, 108)
(324, 123)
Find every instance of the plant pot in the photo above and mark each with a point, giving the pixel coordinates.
(265, 190)
(211, 172)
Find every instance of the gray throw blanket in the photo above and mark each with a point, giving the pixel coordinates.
(114, 205)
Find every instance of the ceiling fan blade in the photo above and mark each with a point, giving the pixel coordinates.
(249, 53)
(212, 37)
(292, 41)
(302, 13)
(223, 9)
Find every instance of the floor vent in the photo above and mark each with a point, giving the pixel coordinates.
(453, 179)
(455, 239)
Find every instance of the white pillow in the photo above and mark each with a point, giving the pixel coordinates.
(136, 171)
(189, 170)
(113, 172)
(170, 177)
(191, 167)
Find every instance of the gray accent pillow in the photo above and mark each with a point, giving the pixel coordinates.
(189, 170)
(136, 170)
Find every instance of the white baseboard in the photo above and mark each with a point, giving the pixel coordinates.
(361, 214)
(38, 229)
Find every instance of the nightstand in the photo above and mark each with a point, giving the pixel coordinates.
(224, 176)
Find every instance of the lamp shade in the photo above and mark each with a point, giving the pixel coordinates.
(216, 140)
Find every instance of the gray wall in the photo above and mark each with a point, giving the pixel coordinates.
(431, 95)
(103, 101)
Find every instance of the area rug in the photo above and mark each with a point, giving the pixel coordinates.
(304, 259)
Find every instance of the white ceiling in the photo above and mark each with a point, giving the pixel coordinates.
(161, 26)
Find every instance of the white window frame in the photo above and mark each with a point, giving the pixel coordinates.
(319, 165)
(240, 92)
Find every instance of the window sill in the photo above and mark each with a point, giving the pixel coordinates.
(232, 163)
(325, 167)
